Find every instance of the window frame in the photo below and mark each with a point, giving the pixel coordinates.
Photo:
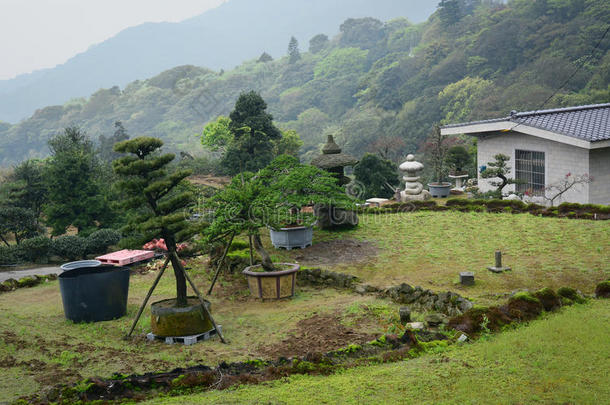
(530, 171)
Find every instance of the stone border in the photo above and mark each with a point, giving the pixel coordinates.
(449, 303)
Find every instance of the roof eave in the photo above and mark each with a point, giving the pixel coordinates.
(508, 126)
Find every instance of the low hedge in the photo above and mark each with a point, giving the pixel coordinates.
(567, 210)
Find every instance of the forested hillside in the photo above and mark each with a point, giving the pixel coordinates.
(223, 37)
(377, 86)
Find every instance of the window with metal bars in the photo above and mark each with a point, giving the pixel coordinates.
(529, 171)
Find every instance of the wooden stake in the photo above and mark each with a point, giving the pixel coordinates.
(222, 259)
(251, 252)
(218, 331)
(152, 288)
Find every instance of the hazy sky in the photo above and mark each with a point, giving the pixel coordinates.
(36, 34)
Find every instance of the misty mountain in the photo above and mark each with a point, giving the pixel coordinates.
(220, 38)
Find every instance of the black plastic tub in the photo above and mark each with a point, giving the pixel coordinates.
(93, 294)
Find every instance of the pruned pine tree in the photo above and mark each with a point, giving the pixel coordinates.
(153, 196)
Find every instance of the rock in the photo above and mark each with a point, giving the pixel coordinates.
(435, 319)
(443, 297)
(429, 336)
(360, 289)
(464, 305)
(370, 288)
(415, 325)
(405, 288)
(405, 315)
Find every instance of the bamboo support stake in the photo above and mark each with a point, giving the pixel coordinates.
(224, 255)
(205, 308)
(152, 288)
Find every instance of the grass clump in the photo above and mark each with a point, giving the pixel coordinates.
(602, 290)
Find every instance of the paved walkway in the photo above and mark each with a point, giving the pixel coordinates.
(40, 271)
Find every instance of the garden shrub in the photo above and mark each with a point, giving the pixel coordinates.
(69, 247)
(100, 240)
(7, 255)
(35, 249)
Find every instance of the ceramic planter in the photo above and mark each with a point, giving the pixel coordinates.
(440, 190)
(272, 284)
(293, 237)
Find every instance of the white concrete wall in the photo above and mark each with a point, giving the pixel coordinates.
(599, 168)
(559, 159)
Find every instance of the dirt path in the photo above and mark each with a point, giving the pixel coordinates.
(39, 271)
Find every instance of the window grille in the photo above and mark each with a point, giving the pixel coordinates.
(529, 171)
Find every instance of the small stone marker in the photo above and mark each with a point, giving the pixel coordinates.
(405, 315)
(498, 267)
(415, 325)
(467, 278)
(463, 337)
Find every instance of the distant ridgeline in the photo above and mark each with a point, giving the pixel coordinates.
(377, 86)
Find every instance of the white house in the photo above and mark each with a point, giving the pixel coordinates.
(544, 146)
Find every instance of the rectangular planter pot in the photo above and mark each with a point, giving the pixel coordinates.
(290, 238)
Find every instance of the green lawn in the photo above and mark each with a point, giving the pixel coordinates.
(431, 248)
(560, 359)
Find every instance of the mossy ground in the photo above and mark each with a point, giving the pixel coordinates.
(558, 359)
(41, 348)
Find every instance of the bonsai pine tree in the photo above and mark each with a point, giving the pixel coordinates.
(500, 169)
(272, 197)
(155, 200)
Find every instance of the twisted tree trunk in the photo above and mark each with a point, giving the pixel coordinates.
(266, 259)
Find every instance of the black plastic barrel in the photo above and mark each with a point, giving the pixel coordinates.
(93, 294)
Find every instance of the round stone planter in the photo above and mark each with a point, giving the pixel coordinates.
(272, 284)
(290, 238)
(92, 294)
(167, 320)
(440, 190)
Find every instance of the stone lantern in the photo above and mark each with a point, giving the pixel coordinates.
(414, 190)
(334, 161)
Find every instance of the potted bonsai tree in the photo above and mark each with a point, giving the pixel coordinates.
(157, 203)
(272, 197)
(437, 155)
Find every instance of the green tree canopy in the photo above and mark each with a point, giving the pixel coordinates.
(254, 134)
(378, 176)
(293, 51)
(318, 43)
(72, 177)
(27, 187)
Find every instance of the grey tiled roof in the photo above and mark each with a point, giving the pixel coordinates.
(588, 122)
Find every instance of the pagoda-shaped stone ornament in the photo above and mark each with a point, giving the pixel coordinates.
(334, 161)
(414, 190)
